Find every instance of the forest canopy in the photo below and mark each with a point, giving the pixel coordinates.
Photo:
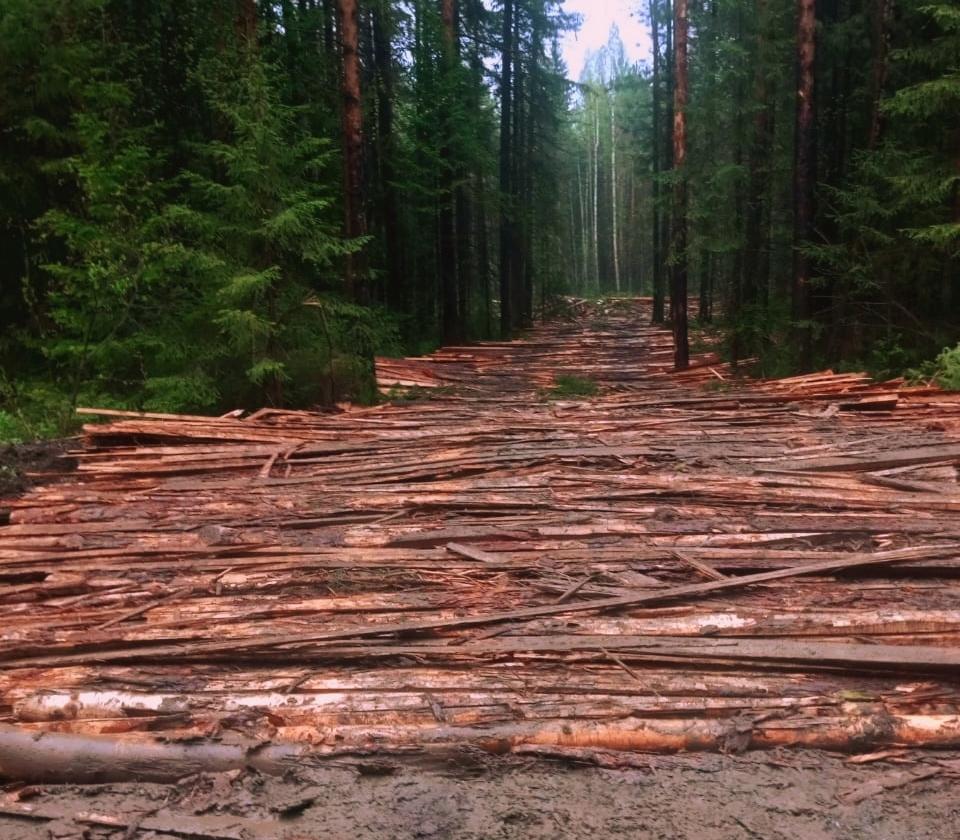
(212, 204)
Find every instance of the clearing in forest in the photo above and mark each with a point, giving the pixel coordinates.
(680, 562)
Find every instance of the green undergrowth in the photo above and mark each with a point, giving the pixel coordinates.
(405, 395)
(944, 370)
(570, 387)
(35, 411)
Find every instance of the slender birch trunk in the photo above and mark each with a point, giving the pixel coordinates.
(613, 192)
(596, 193)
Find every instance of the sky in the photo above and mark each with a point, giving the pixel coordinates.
(598, 16)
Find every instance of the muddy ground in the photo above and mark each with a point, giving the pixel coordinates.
(24, 464)
(789, 795)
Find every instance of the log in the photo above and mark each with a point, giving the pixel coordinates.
(262, 642)
(53, 758)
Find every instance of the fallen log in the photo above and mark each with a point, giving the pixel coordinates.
(536, 560)
(235, 646)
(50, 757)
(78, 759)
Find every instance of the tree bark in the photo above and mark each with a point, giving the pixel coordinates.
(463, 198)
(735, 285)
(758, 165)
(596, 193)
(584, 241)
(479, 273)
(658, 292)
(666, 236)
(393, 243)
(521, 165)
(708, 226)
(53, 757)
(678, 290)
(506, 166)
(574, 255)
(451, 324)
(355, 224)
(613, 191)
(804, 174)
(247, 22)
(530, 150)
(880, 14)
(706, 287)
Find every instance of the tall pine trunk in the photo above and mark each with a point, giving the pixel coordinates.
(880, 13)
(246, 23)
(678, 289)
(711, 33)
(521, 163)
(658, 291)
(596, 193)
(355, 225)
(755, 278)
(735, 285)
(584, 240)
(506, 167)
(393, 242)
(804, 174)
(450, 322)
(478, 275)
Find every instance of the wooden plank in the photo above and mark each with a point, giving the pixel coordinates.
(908, 456)
(236, 646)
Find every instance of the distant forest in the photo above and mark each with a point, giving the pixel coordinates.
(207, 204)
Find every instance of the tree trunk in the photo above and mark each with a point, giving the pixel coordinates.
(678, 290)
(483, 255)
(709, 224)
(246, 24)
(451, 325)
(658, 295)
(352, 144)
(463, 200)
(735, 285)
(613, 191)
(706, 286)
(574, 255)
(393, 242)
(584, 241)
(465, 253)
(758, 166)
(880, 14)
(596, 193)
(804, 174)
(529, 226)
(666, 237)
(631, 247)
(329, 16)
(521, 165)
(506, 165)
(478, 274)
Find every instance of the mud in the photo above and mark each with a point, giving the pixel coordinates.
(789, 795)
(26, 464)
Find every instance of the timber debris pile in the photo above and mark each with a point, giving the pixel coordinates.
(686, 561)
